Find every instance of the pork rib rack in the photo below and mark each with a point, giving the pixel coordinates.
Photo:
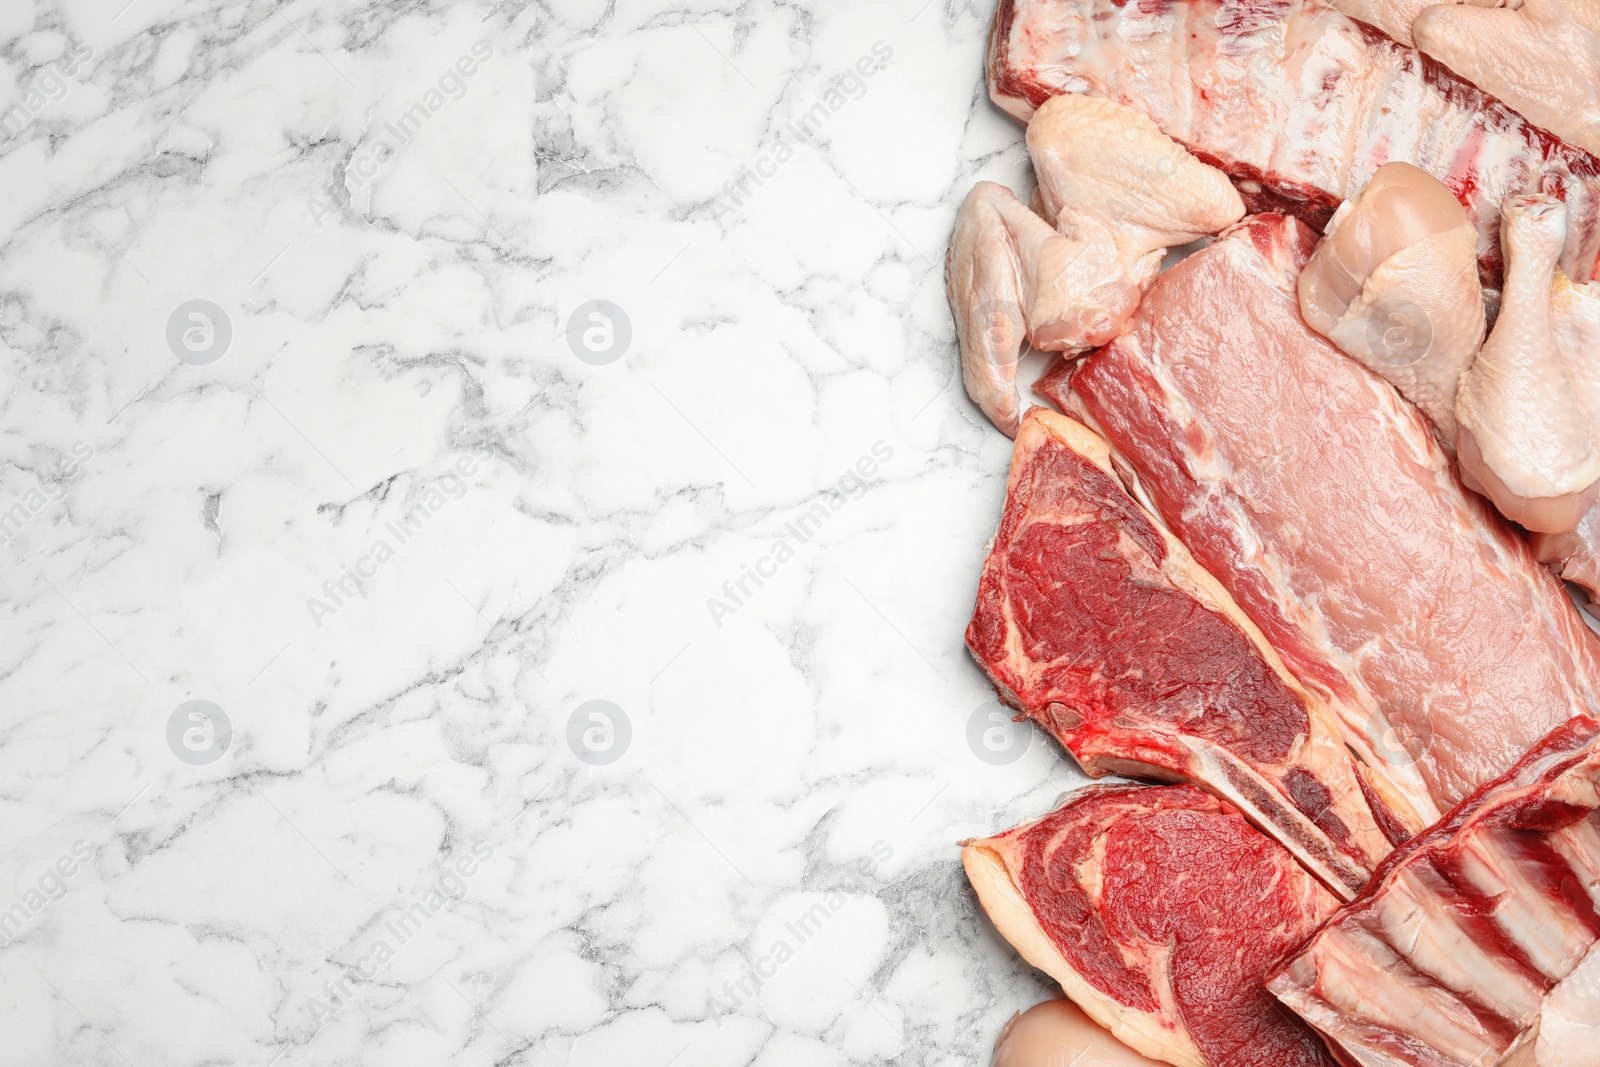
(1476, 942)
(1098, 624)
(1295, 101)
(1318, 497)
(1159, 910)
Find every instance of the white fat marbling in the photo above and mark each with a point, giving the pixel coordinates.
(399, 858)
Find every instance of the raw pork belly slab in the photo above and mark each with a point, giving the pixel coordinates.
(1475, 943)
(1159, 909)
(1317, 495)
(1099, 625)
(1299, 103)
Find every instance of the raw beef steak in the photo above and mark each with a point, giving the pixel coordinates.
(1475, 943)
(1158, 909)
(1317, 495)
(1098, 624)
(1297, 102)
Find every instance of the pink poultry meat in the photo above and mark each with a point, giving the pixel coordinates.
(1575, 311)
(1575, 555)
(1541, 57)
(1321, 501)
(1057, 1033)
(1475, 943)
(1118, 194)
(1393, 17)
(1394, 284)
(1529, 413)
(1299, 103)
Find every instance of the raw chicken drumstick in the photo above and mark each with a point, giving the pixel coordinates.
(1395, 285)
(1120, 193)
(1528, 437)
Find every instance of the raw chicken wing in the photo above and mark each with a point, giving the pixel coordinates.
(1542, 57)
(1120, 193)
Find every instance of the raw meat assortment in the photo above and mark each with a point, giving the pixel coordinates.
(1530, 430)
(1159, 909)
(1098, 624)
(1475, 943)
(1321, 501)
(1299, 103)
(1115, 194)
(1394, 284)
(1243, 561)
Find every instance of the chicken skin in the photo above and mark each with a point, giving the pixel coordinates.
(1542, 57)
(1394, 284)
(1528, 437)
(1117, 193)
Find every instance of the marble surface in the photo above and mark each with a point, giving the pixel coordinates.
(403, 666)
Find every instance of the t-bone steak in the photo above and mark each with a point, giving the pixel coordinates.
(1099, 625)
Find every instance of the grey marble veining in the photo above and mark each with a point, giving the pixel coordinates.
(405, 666)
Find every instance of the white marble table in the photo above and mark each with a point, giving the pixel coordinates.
(324, 527)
